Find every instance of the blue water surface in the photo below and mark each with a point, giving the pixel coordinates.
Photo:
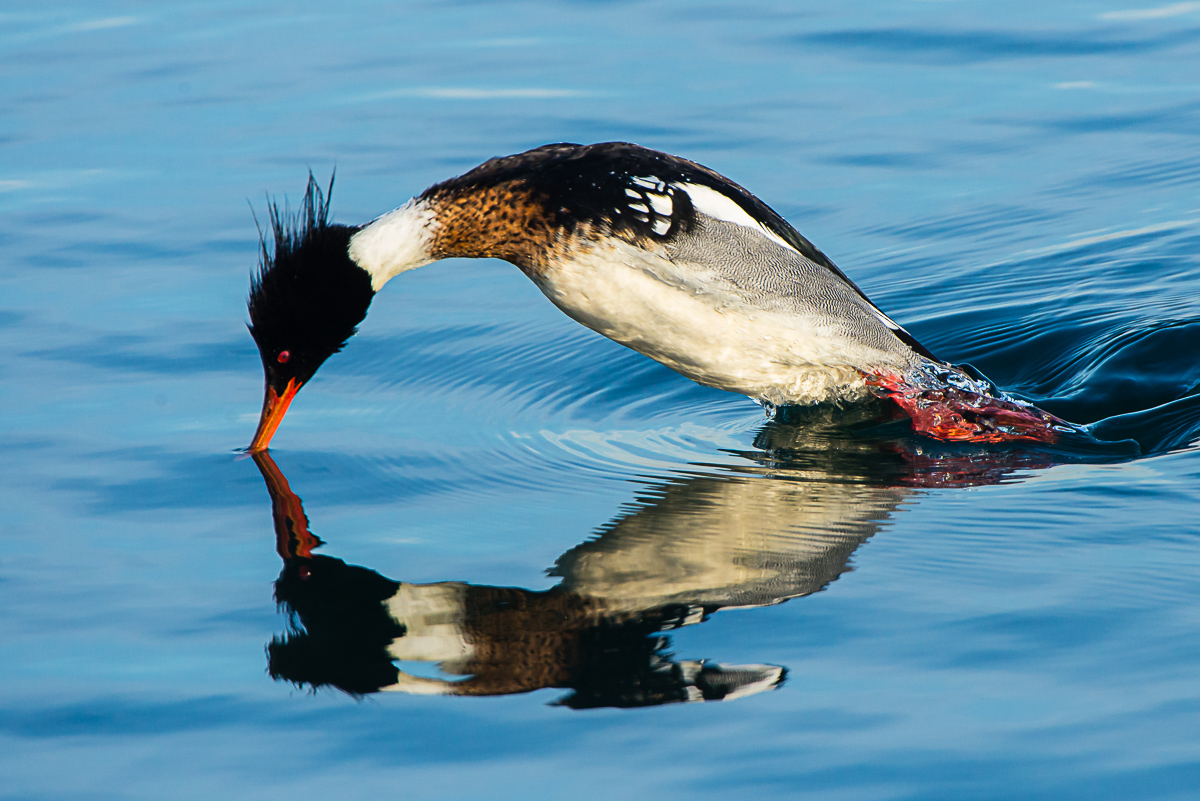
(611, 549)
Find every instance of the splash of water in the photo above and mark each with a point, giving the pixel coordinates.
(948, 403)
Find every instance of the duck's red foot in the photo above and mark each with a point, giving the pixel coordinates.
(954, 414)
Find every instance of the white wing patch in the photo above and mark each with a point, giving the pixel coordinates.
(650, 203)
(707, 200)
(662, 204)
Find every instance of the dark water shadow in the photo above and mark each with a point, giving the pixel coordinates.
(973, 46)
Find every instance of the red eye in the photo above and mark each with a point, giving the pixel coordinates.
(284, 356)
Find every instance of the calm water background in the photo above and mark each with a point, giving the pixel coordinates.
(1016, 183)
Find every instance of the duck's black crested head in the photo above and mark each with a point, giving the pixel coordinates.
(308, 296)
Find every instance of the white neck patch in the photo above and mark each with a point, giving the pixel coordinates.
(707, 200)
(394, 243)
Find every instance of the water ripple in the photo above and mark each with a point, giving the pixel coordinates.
(975, 46)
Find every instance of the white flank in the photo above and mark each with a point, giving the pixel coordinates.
(711, 202)
(394, 243)
(679, 315)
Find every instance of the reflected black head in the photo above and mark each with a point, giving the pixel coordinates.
(341, 627)
(308, 296)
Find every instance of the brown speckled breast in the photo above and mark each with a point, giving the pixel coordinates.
(510, 221)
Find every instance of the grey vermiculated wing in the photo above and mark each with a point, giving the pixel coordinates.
(767, 276)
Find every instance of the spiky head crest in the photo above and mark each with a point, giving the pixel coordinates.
(308, 296)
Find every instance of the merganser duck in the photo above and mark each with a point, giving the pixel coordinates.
(656, 252)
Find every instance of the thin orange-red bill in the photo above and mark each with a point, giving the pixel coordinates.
(275, 406)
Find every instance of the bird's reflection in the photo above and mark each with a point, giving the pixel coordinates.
(781, 526)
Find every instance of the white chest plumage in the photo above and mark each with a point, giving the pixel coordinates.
(645, 303)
